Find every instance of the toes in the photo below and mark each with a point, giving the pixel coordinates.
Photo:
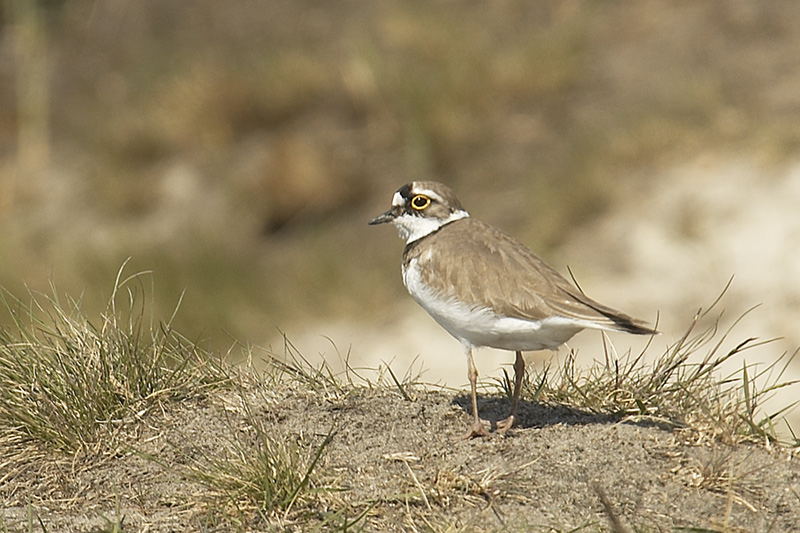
(477, 430)
(505, 425)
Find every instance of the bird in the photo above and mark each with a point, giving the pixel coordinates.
(487, 289)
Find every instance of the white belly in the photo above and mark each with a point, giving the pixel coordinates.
(480, 326)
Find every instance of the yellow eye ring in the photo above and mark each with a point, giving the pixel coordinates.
(420, 202)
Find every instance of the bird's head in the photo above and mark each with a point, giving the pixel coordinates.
(420, 208)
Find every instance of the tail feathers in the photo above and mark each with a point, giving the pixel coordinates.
(622, 322)
(604, 317)
(631, 325)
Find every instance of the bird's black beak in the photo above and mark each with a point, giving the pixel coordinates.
(388, 216)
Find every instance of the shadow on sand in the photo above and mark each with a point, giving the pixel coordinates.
(531, 414)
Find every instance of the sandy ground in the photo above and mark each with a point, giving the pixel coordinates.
(402, 457)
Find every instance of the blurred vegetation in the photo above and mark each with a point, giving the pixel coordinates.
(237, 149)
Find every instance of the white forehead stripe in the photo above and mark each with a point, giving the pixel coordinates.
(430, 194)
(399, 201)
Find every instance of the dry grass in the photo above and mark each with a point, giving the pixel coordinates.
(73, 384)
(259, 472)
(75, 394)
(685, 387)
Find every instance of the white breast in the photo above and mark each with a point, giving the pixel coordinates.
(480, 326)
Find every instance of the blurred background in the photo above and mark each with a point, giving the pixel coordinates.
(237, 149)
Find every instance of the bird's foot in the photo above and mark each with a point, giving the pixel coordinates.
(505, 425)
(477, 430)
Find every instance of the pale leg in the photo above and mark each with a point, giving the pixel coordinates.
(477, 429)
(519, 373)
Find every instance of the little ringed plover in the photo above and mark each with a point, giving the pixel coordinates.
(487, 289)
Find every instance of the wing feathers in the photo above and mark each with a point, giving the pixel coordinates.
(488, 268)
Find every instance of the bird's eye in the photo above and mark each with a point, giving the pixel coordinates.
(420, 202)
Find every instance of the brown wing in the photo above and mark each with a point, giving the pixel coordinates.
(487, 267)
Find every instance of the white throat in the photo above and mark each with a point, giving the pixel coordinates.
(412, 228)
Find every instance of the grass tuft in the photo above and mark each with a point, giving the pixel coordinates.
(256, 469)
(269, 474)
(72, 383)
(676, 387)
